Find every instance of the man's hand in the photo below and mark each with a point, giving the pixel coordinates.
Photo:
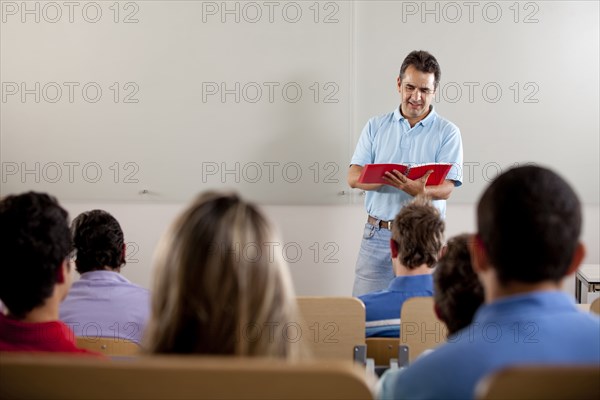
(411, 187)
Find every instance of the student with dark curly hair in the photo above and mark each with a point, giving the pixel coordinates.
(35, 244)
(457, 291)
(103, 303)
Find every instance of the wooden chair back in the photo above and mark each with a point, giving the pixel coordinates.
(541, 382)
(111, 347)
(595, 307)
(333, 327)
(420, 328)
(43, 376)
(382, 350)
(584, 307)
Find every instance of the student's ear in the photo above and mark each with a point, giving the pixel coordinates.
(436, 310)
(394, 248)
(578, 256)
(443, 251)
(62, 271)
(124, 253)
(398, 83)
(479, 257)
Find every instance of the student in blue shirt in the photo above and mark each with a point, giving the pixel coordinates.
(415, 134)
(417, 238)
(529, 223)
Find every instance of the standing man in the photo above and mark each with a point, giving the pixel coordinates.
(413, 133)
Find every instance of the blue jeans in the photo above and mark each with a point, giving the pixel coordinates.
(374, 264)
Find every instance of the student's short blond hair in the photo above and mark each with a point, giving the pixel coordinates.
(221, 287)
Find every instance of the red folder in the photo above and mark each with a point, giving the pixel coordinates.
(373, 173)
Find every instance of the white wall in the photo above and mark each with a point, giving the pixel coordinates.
(335, 229)
(165, 94)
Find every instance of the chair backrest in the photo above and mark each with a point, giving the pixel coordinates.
(595, 307)
(420, 328)
(332, 326)
(382, 350)
(109, 346)
(541, 382)
(43, 376)
(584, 307)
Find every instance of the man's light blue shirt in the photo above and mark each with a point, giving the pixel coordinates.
(383, 307)
(106, 304)
(536, 328)
(389, 139)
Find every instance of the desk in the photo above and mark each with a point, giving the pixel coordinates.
(588, 275)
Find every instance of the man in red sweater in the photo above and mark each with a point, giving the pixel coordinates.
(35, 277)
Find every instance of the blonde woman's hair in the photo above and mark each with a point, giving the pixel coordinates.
(221, 285)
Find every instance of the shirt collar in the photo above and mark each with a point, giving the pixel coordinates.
(424, 122)
(103, 276)
(413, 283)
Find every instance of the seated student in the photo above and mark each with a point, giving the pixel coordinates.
(529, 222)
(36, 275)
(417, 237)
(457, 292)
(103, 303)
(219, 288)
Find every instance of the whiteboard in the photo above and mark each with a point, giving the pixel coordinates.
(158, 100)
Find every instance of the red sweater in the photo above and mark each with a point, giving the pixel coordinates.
(52, 336)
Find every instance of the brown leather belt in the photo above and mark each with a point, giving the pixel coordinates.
(382, 224)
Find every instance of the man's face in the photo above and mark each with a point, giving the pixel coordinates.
(416, 93)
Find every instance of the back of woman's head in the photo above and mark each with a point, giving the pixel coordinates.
(220, 288)
(457, 291)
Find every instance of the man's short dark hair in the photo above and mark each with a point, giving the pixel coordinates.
(529, 221)
(423, 62)
(457, 291)
(35, 240)
(418, 230)
(98, 240)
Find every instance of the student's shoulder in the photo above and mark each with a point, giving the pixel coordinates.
(125, 283)
(583, 324)
(419, 380)
(138, 290)
(375, 296)
(431, 376)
